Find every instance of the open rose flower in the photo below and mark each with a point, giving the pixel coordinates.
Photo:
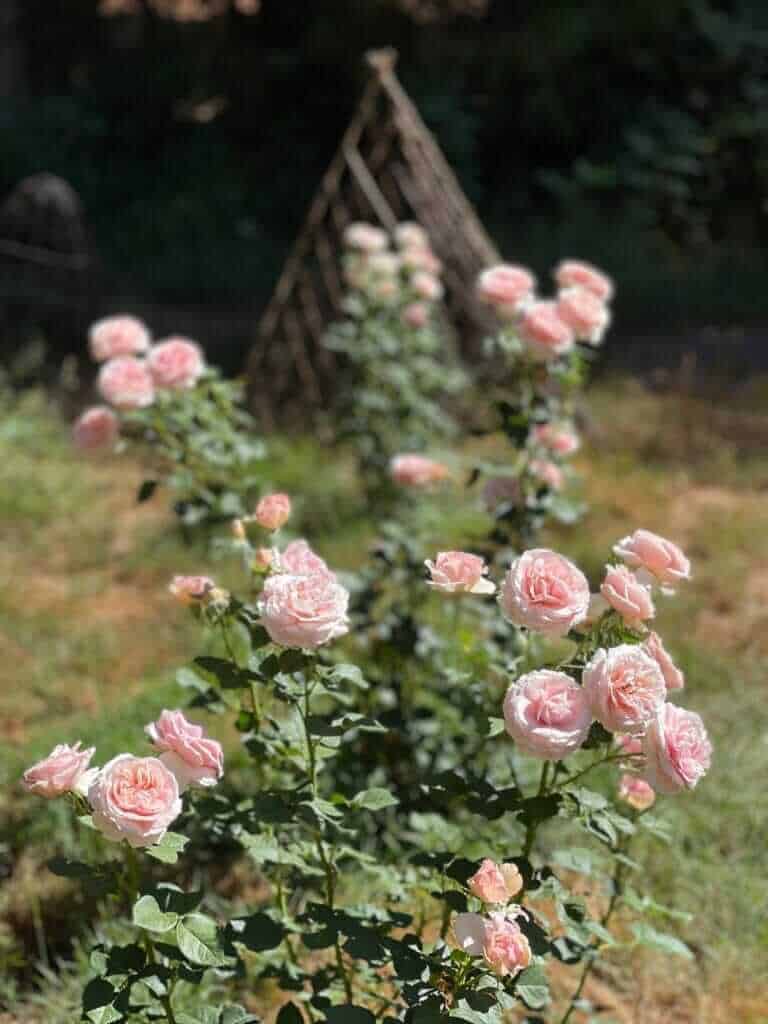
(627, 595)
(495, 883)
(135, 799)
(65, 770)
(175, 364)
(556, 438)
(624, 687)
(273, 511)
(304, 611)
(190, 590)
(426, 286)
(636, 792)
(548, 473)
(126, 383)
(660, 558)
(543, 332)
(577, 274)
(415, 315)
(545, 592)
(457, 572)
(409, 235)
(416, 470)
(95, 428)
(507, 288)
(365, 238)
(547, 714)
(117, 336)
(677, 750)
(497, 938)
(194, 758)
(299, 559)
(673, 677)
(586, 314)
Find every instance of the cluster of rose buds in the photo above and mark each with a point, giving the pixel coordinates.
(406, 277)
(131, 798)
(625, 688)
(133, 371)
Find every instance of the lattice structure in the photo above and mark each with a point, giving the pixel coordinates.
(387, 169)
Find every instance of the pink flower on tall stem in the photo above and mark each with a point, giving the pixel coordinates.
(627, 595)
(544, 333)
(576, 273)
(273, 511)
(624, 687)
(95, 428)
(126, 383)
(547, 714)
(134, 799)
(507, 288)
(175, 364)
(115, 336)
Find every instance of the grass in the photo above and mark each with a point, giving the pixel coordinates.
(89, 643)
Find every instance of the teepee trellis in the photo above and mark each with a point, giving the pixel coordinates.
(388, 168)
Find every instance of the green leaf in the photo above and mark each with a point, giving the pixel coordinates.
(97, 993)
(105, 1015)
(171, 897)
(148, 915)
(198, 939)
(147, 489)
(645, 935)
(374, 799)
(169, 848)
(532, 987)
(290, 1014)
(236, 1014)
(576, 858)
(348, 1014)
(257, 932)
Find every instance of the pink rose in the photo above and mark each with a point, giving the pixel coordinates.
(126, 383)
(65, 770)
(488, 883)
(415, 315)
(299, 559)
(365, 238)
(426, 286)
(657, 556)
(584, 313)
(558, 439)
(117, 336)
(545, 592)
(575, 273)
(135, 799)
(304, 611)
(416, 470)
(193, 757)
(673, 677)
(547, 715)
(497, 938)
(95, 428)
(175, 364)
(506, 287)
(624, 687)
(421, 258)
(457, 572)
(636, 792)
(543, 333)
(627, 595)
(409, 235)
(191, 589)
(631, 746)
(549, 473)
(501, 490)
(273, 511)
(677, 750)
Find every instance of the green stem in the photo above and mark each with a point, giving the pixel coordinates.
(595, 764)
(530, 832)
(165, 1000)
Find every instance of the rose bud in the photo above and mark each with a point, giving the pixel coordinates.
(95, 428)
(194, 758)
(273, 511)
(659, 557)
(636, 792)
(495, 883)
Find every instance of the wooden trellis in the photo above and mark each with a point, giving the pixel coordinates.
(387, 169)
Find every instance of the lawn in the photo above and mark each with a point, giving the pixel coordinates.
(89, 642)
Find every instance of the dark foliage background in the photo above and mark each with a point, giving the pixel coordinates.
(634, 134)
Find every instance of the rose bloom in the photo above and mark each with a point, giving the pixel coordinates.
(575, 273)
(415, 315)
(176, 364)
(549, 473)
(384, 264)
(545, 592)
(416, 470)
(193, 757)
(506, 287)
(627, 595)
(126, 383)
(673, 677)
(561, 440)
(677, 750)
(365, 238)
(191, 589)
(299, 559)
(495, 883)
(656, 555)
(585, 314)
(544, 334)
(273, 511)
(65, 770)
(636, 792)
(501, 490)
(410, 235)
(624, 687)
(135, 799)
(426, 286)
(117, 336)
(421, 258)
(457, 572)
(497, 938)
(304, 611)
(547, 715)
(95, 428)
